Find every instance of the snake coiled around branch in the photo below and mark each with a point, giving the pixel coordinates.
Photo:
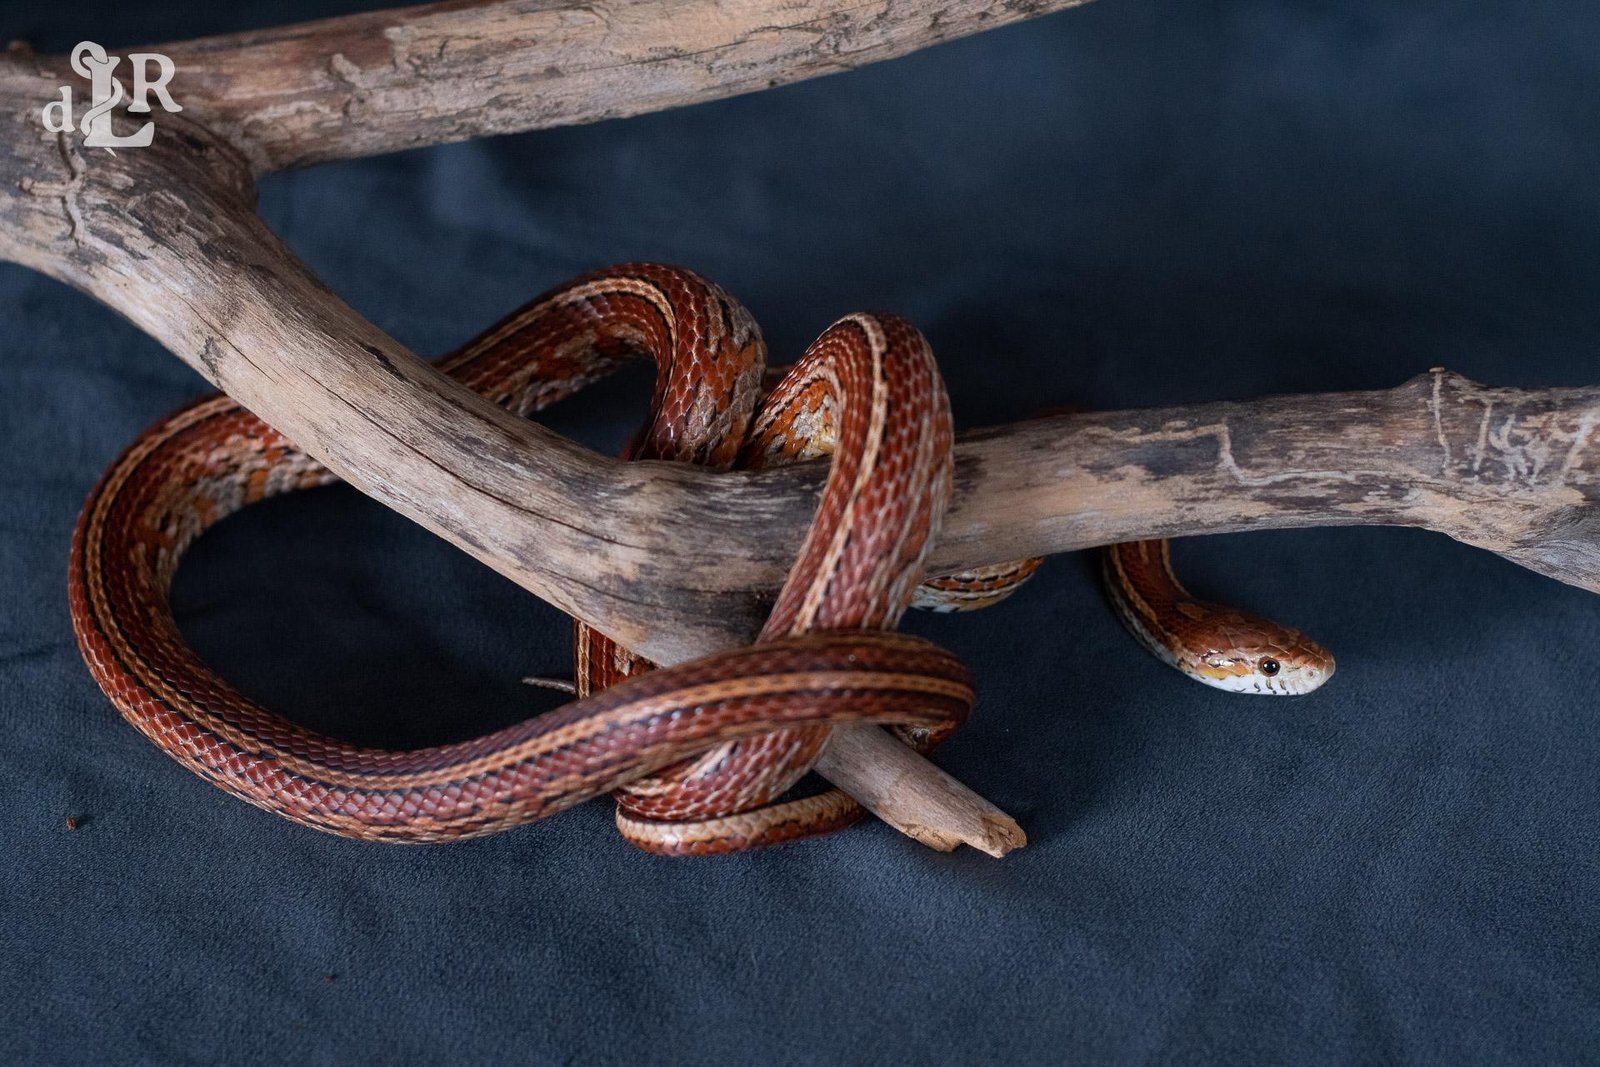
(701, 753)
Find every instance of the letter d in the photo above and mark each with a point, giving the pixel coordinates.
(62, 109)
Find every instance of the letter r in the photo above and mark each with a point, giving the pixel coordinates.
(142, 85)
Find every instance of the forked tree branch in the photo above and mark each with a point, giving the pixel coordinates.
(672, 560)
(677, 561)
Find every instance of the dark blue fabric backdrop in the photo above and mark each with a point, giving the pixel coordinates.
(1139, 202)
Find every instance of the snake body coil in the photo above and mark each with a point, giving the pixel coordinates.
(699, 753)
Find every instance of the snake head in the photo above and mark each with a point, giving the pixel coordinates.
(1266, 658)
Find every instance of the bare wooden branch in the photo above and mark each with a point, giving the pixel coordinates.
(1510, 470)
(914, 796)
(250, 88)
(678, 562)
(387, 80)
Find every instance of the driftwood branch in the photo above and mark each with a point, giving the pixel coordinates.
(387, 80)
(668, 559)
(914, 796)
(678, 562)
(302, 94)
(1515, 471)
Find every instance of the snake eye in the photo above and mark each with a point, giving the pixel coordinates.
(1270, 667)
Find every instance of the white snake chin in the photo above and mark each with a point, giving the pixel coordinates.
(1290, 681)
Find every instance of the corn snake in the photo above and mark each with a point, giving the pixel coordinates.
(699, 753)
